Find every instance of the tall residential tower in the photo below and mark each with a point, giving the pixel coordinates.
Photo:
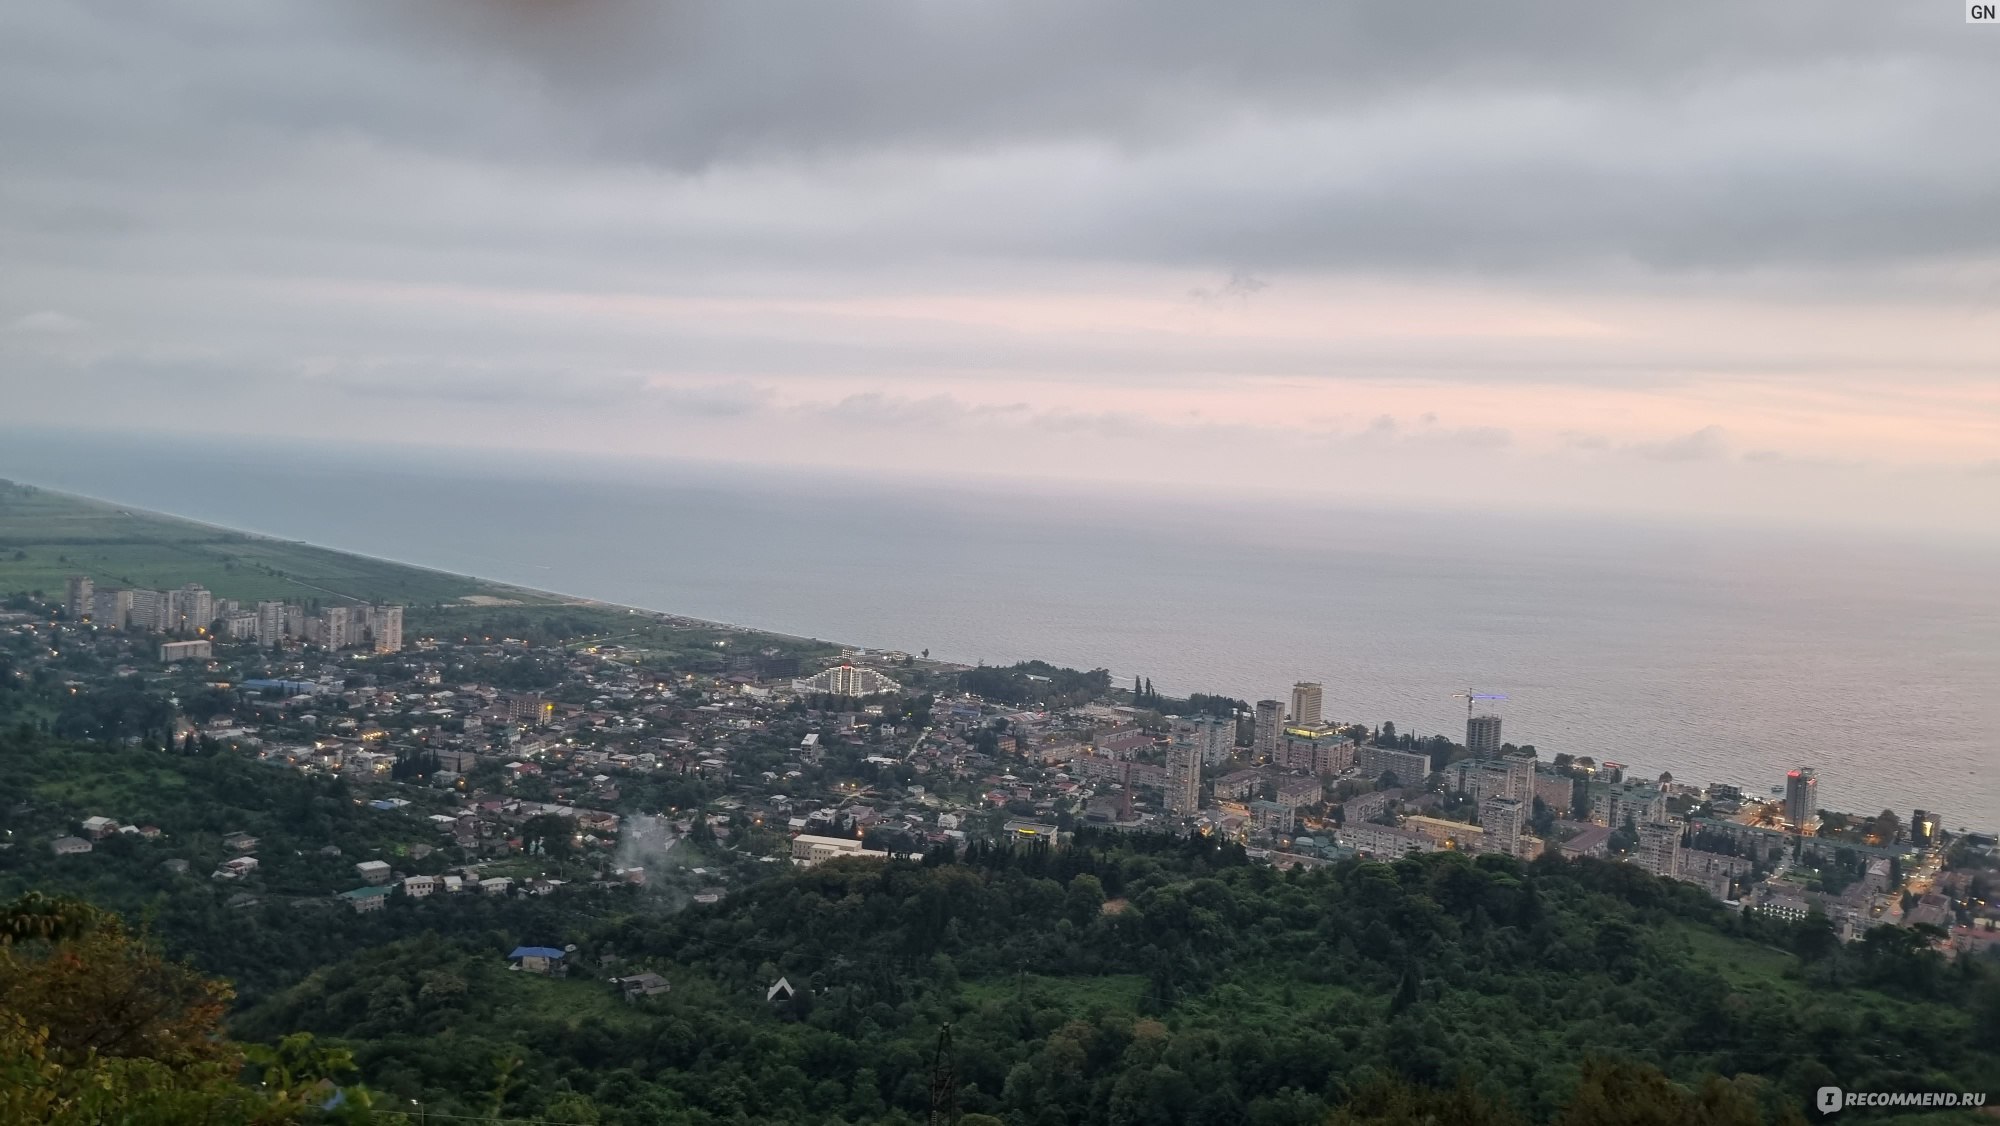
(1306, 704)
(1801, 796)
(1270, 720)
(1482, 734)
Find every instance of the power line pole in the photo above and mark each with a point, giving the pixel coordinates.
(944, 1082)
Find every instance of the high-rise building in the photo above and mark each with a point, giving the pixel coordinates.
(1270, 727)
(191, 607)
(1923, 828)
(151, 610)
(270, 622)
(1801, 796)
(1659, 848)
(1557, 791)
(1272, 819)
(79, 601)
(1613, 803)
(1520, 778)
(336, 627)
(1183, 780)
(1333, 756)
(1306, 704)
(1213, 737)
(385, 625)
(113, 608)
(1501, 821)
(1411, 768)
(526, 708)
(840, 680)
(1482, 734)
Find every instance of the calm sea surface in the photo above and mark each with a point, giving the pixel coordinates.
(1720, 655)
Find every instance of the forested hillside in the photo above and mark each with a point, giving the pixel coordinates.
(1151, 980)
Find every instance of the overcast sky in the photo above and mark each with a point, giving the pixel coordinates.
(1724, 259)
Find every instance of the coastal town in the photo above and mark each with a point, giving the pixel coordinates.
(474, 747)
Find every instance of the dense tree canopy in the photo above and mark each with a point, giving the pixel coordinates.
(1160, 980)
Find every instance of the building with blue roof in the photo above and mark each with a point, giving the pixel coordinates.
(538, 960)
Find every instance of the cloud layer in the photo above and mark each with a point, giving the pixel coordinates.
(1702, 257)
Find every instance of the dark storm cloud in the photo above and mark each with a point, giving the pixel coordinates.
(1517, 138)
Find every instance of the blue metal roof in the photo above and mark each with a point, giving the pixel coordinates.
(534, 952)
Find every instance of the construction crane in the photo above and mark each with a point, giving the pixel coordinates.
(1469, 696)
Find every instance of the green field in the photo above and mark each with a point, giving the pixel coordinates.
(47, 536)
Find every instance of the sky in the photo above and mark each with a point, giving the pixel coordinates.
(1707, 260)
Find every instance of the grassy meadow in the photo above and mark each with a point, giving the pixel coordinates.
(47, 536)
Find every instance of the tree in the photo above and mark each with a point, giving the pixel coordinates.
(1388, 1102)
(97, 1027)
(96, 990)
(1813, 938)
(547, 834)
(1886, 827)
(1622, 1093)
(1543, 819)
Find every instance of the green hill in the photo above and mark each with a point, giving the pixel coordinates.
(1149, 980)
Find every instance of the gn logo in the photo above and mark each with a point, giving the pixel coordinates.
(1982, 11)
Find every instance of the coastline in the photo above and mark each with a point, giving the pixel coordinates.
(486, 586)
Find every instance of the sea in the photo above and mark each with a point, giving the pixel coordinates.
(1716, 653)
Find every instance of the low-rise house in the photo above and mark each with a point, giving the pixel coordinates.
(641, 985)
(70, 846)
(235, 869)
(539, 960)
(497, 885)
(417, 887)
(808, 850)
(97, 828)
(367, 899)
(373, 871)
(239, 842)
(452, 884)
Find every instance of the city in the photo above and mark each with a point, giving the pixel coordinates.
(999, 564)
(845, 761)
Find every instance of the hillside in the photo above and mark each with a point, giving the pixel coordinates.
(1151, 980)
(46, 536)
